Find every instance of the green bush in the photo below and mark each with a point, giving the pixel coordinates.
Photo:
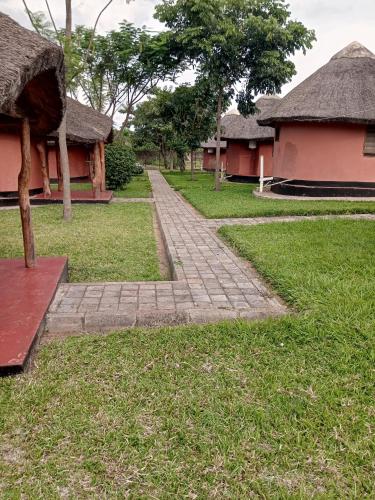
(120, 163)
(138, 169)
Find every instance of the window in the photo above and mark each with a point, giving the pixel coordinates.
(369, 148)
(277, 134)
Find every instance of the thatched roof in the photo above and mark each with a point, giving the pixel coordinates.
(235, 126)
(85, 125)
(341, 91)
(31, 77)
(211, 144)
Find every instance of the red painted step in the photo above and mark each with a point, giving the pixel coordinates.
(25, 295)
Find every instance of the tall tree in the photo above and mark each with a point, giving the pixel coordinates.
(64, 37)
(126, 65)
(243, 44)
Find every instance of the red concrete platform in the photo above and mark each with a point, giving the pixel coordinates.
(77, 197)
(25, 295)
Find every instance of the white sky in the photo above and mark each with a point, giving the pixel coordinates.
(336, 22)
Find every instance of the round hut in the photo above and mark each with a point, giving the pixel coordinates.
(325, 130)
(32, 104)
(85, 128)
(209, 154)
(247, 142)
(31, 84)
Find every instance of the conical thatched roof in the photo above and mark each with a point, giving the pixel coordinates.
(235, 126)
(341, 91)
(85, 125)
(31, 77)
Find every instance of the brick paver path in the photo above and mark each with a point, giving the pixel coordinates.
(211, 282)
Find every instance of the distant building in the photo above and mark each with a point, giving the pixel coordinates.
(85, 128)
(209, 154)
(325, 129)
(247, 141)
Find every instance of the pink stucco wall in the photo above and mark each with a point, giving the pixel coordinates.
(245, 162)
(323, 152)
(78, 156)
(10, 163)
(209, 159)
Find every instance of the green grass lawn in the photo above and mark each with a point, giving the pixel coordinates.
(236, 200)
(103, 242)
(76, 186)
(138, 187)
(282, 408)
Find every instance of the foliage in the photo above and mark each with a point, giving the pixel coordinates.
(138, 169)
(120, 163)
(237, 200)
(244, 44)
(177, 120)
(123, 67)
(281, 408)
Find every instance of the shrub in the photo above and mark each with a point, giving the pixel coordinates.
(138, 169)
(119, 164)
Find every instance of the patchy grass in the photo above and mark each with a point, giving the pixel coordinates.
(237, 200)
(76, 186)
(282, 408)
(138, 187)
(104, 243)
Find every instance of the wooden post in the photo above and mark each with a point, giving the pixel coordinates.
(102, 159)
(97, 180)
(64, 162)
(58, 167)
(43, 156)
(23, 195)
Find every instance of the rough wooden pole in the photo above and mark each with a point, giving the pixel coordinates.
(64, 162)
(218, 141)
(43, 156)
(23, 195)
(102, 160)
(96, 183)
(58, 167)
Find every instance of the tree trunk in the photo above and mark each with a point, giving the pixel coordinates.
(96, 183)
(23, 195)
(125, 123)
(218, 140)
(64, 165)
(43, 156)
(192, 164)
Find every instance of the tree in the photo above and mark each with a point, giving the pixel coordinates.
(176, 121)
(64, 37)
(126, 65)
(191, 112)
(236, 43)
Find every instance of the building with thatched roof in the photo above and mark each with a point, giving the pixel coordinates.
(85, 127)
(32, 85)
(209, 154)
(247, 141)
(32, 104)
(325, 129)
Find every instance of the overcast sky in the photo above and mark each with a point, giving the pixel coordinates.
(336, 22)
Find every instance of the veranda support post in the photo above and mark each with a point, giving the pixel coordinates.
(43, 157)
(102, 160)
(23, 195)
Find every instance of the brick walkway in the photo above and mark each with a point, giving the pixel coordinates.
(211, 283)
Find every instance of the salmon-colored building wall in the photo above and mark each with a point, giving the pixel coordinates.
(245, 162)
(323, 152)
(209, 159)
(78, 157)
(10, 163)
